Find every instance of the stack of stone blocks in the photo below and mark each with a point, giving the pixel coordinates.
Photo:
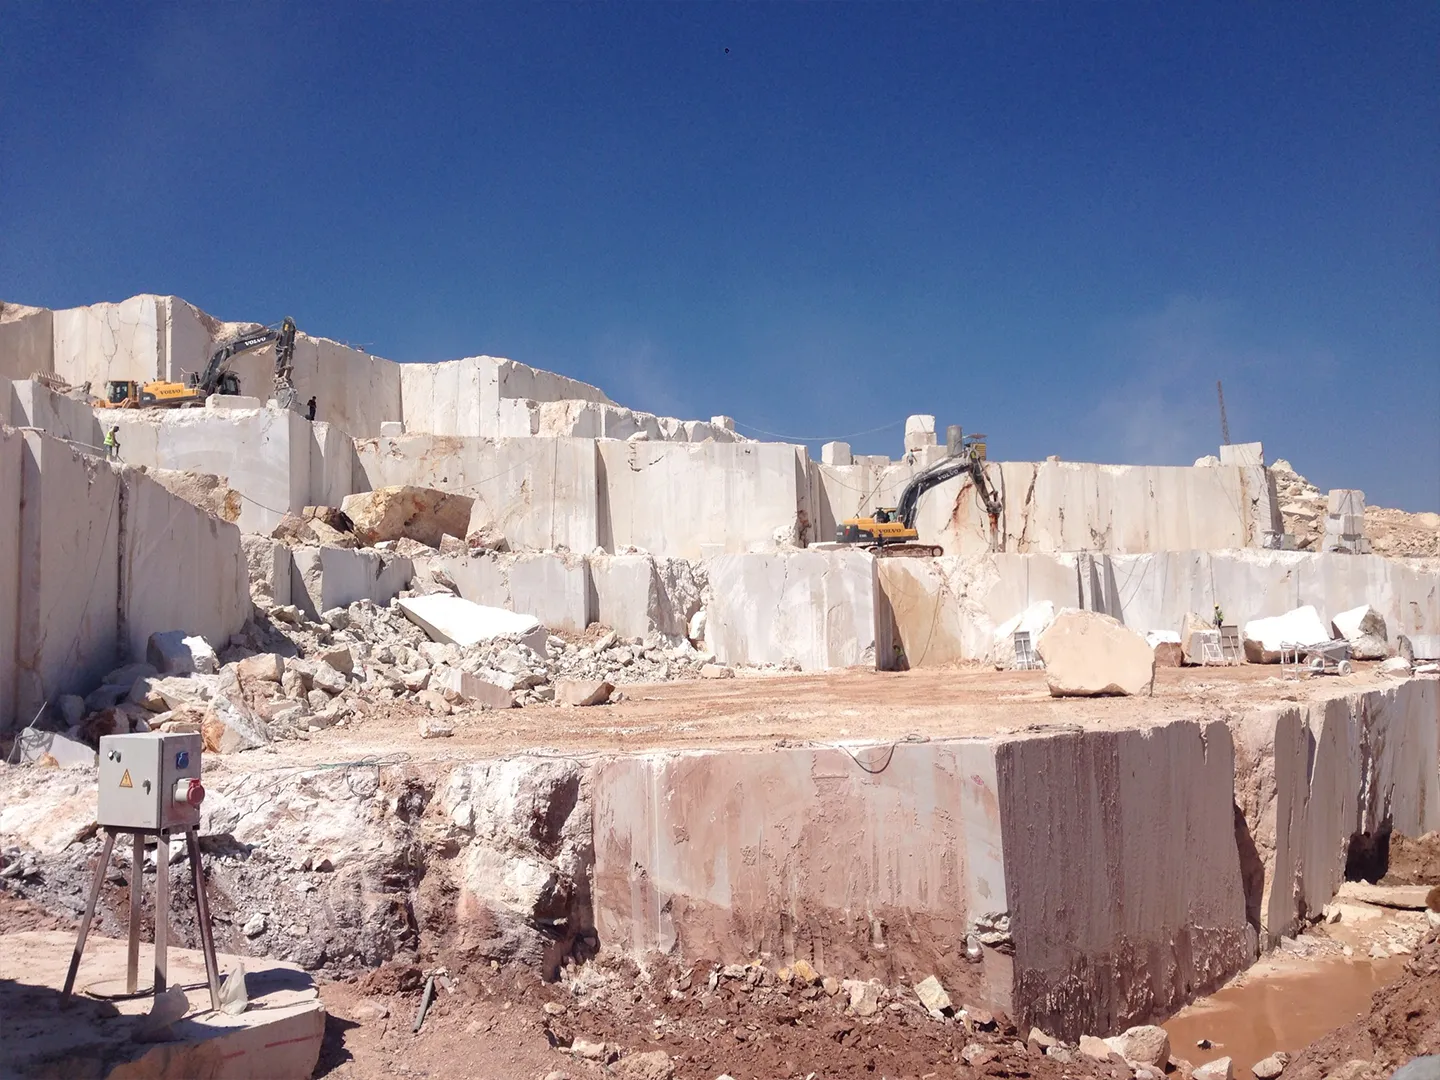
(1345, 522)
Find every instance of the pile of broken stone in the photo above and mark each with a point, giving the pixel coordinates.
(284, 676)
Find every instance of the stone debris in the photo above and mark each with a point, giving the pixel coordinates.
(646, 1065)
(1264, 637)
(286, 675)
(415, 513)
(432, 728)
(1087, 654)
(864, 996)
(1038, 1041)
(590, 1051)
(932, 995)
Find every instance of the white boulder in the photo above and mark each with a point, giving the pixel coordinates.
(173, 652)
(453, 620)
(1264, 637)
(1087, 654)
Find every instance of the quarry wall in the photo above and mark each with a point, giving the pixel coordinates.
(805, 853)
(265, 454)
(12, 449)
(1312, 778)
(110, 341)
(101, 558)
(1062, 505)
(27, 341)
(1122, 872)
(556, 589)
(1129, 884)
(693, 500)
(27, 403)
(68, 583)
(949, 608)
(541, 493)
(810, 610)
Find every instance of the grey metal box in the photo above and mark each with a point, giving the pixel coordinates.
(150, 781)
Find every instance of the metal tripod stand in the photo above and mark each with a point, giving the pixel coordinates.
(162, 909)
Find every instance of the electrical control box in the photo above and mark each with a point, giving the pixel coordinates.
(150, 781)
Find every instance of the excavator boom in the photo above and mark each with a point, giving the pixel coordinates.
(216, 378)
(212, 379)
(893, 532)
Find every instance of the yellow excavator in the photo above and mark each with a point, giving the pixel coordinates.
(890, 530)
(217, 378)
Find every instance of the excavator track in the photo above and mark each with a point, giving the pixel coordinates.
(912, 551)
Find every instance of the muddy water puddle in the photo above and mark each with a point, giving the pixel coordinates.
(1281, 1004)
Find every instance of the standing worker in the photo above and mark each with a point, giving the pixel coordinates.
(310, 407)
(1219, 617)
(112, 441)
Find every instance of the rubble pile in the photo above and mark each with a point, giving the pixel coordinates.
(285, 675)
(1397, 533)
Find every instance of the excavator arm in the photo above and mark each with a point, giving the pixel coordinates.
(966, 462)
(212, 379)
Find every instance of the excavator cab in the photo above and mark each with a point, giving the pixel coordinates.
(119, 391)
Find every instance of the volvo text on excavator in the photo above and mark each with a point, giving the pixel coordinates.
(891, 529)
(217, 378)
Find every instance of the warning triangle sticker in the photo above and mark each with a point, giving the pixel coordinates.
(125, 780)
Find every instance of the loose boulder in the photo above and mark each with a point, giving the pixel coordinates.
(1143, 1045)
(1364, 628)
(423, 514)
(1264, 637)
(227, 729)
(580, 692)
(1087, 654)
(1166, 645)
(263, 667)
(454, 684)
(173, 652)
(1219, 1069)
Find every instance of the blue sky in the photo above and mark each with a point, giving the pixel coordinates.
(1057, 224)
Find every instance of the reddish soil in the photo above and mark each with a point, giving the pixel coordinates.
(761, 711)
(1414, 862)
(18, 916)
(496, 1024)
